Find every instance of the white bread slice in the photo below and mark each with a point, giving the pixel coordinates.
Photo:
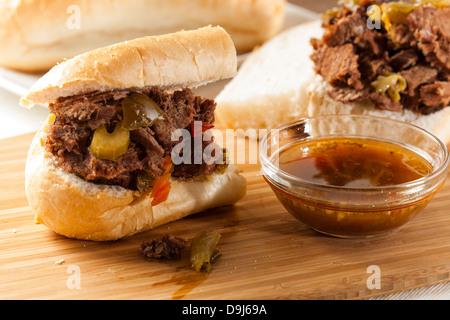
(37, 34)
(271, 85)
(277, 84)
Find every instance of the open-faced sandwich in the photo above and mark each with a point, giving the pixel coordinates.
(382, 58)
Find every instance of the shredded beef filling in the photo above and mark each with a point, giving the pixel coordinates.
(77, 118)
(350, 56)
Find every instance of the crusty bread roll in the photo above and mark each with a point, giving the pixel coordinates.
(277, 83)
(36, 34)
(168, 61)
(76, 208)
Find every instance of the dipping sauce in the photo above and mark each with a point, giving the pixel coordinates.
(353, 162)
(356, 179)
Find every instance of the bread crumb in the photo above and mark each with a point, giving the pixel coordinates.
(60, 261)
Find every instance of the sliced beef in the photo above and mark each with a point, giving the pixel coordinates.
(445, 75)
(404, 59)
(144, 136)
(347, 94)
(436, 95)
(372, 42)
(371, 67)
(339, 14)
(417, 76)
(189, 171)
(204, 110)
(403, 37)
(63, 137)
(78, 117)
(181, 109)
(124, 171)
(384, 102)
(186, 172)
(345, 30)
(431, 28)
(412, 102)
(338, 65)
(91, 110)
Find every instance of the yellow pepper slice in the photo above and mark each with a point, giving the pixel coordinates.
(110, 146)
(391, 83)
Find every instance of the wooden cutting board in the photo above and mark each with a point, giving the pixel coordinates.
(266, 254)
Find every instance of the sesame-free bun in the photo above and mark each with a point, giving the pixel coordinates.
(182, 59)
(37, 34)
(83, 210)
(277, 84)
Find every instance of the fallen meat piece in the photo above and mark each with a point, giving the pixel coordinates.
(166, 247)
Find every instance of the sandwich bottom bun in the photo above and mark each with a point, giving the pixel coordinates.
(277, 84)
(79, 209)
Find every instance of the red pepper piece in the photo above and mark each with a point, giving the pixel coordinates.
(161, 188)
(205, 127)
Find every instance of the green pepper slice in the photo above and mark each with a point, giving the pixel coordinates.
(203, 250)
(140, 111)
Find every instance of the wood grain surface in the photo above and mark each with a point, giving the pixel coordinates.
(266, 254)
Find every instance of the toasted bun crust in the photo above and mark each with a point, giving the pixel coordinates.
(79, 209)
(277, 84)
(182, 59)
(37, 34)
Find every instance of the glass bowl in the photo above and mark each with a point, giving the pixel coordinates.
(344, 211)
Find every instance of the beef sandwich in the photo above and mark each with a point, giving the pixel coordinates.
(381, 58)
(102, 167)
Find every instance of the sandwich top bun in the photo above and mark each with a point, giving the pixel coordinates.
(76, 208)
(36, 34)
(277, 83)
(168, 61)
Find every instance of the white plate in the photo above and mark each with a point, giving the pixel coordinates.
(18, 83)
(16, 120)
